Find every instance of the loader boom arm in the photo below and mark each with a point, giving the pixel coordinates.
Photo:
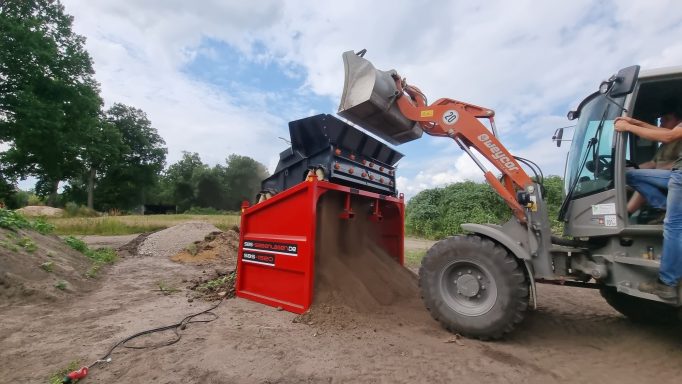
(460, 121)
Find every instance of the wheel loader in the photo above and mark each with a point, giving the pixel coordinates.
(480, 284)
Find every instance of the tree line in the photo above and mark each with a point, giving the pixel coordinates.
(54, 128)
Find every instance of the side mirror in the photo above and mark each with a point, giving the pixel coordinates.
(624, 82)
(558, 134)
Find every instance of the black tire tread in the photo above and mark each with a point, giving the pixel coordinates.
(511, 269)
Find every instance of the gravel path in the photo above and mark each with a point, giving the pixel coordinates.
(174, 239)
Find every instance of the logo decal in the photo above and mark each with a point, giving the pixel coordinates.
(497, 153)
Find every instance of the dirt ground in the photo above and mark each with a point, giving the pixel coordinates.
(573, 337)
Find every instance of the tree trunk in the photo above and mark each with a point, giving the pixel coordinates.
(91, 188)
(52, 200)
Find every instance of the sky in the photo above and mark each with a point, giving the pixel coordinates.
(218, 77)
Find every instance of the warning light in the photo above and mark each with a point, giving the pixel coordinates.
(371, 177)
(364, 174)
(381, 169)
(350, 170)
(338, 152)
(371, 165)
(381, 180)
(337, 166)
(352, 156)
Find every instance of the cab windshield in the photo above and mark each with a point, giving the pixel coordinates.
(590, 161)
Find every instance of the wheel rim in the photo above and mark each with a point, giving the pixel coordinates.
(468, 288)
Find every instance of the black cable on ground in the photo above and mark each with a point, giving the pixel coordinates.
(175, 327)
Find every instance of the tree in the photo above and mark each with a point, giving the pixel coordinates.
(179, 182)
(49, 100)
(142, 155)
(243, 176)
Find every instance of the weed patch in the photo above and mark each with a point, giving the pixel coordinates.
(100, 256)
(57, 377)
(28, 244)
(165, 288)
(61, 285)
(47, 266)
(14, 221)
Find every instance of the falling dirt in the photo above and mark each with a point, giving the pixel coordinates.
(354, 277)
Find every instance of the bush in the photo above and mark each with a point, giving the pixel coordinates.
(34, 199)
(13, 221)
(440, 212)
(72, 209)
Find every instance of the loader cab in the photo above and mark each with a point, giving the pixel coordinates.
(596, 194)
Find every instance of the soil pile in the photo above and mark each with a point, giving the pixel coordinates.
(353, 274)
(215, 247)
(172, 240)
(39, 210)
(35, 268)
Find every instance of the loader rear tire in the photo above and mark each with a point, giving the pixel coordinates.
(640, 310)
(474, 287)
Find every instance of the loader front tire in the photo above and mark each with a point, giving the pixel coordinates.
(473, 287)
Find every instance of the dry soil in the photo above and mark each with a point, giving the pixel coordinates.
(573, 337)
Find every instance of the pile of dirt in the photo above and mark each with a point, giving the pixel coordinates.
(39, 210)
(36, 268)
(170, 241)
(217, 246)
(353, 274)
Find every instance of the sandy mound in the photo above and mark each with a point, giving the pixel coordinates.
(215, 247)
(172, 240)
(35, 267)
(39, 210)
(354, 277)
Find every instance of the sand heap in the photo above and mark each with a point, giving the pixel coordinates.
(170, 241)
(217, 246)
(36, 268)
(40, 210)
(351, 270)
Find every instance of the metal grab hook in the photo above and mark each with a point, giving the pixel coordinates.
(376, 212)
(347, 210)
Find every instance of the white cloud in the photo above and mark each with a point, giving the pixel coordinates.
(530, 61)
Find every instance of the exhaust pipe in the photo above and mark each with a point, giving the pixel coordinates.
(368, 100)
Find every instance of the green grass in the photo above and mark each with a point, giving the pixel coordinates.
(61, 285)
(100, 256)
(28, 244)
(47, 266)
(413, 257)
(126, 225)
(57, 377)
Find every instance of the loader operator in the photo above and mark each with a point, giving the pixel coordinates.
(664, 158)
(652, 184)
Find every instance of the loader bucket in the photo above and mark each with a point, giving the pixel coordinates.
(368, 100)
(309, 227)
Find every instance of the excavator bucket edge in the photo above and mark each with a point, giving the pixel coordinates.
(368, 100)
